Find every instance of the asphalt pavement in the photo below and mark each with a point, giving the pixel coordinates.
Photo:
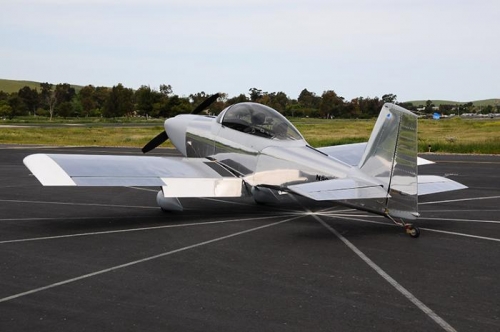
(107, 259)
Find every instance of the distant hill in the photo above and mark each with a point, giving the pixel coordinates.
(484, 102)
(11, 86)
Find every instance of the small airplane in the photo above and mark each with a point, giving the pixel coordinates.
(250, 149)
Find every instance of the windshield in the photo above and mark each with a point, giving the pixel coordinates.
(259, 120)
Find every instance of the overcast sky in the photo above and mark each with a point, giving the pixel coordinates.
(416, 49)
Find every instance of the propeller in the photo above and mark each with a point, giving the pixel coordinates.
(159, 139)
(207, 102)
(163, 136)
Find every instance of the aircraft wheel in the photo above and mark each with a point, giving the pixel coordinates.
(413, 231)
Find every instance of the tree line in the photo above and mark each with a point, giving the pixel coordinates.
(62, 100)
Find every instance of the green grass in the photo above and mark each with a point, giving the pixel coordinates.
(449, 136)
(44, 120)
(80, 136)
(460, 136)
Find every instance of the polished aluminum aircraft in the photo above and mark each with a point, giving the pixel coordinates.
(250, 149)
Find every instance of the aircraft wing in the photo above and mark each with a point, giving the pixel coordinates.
(198, 176)
(351, 153)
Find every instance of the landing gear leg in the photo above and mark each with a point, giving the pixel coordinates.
(411, 230)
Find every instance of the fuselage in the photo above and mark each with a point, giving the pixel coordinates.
(257, 152)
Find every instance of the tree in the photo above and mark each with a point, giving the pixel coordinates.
(3, 95)
(146, 98)
(278, 101)
(166, 90)
(30, 98)
(354, 109)
(101, 95)
(17, 107)
(255, 94)
(65, 109)
(120, 102)
(238, 99)
(49, 96)
(177, 105)
(64, 92)
(331, 104)
(198, 98)
(390, 98)
(429, 106)
(309, 102)
(86, 97)
(5, 109)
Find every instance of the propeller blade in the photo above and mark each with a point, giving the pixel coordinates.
(162, 137)
(159, 139)
(207, 102)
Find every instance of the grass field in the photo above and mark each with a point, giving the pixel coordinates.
(450, 135)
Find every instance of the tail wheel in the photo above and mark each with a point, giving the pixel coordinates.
(413, 231)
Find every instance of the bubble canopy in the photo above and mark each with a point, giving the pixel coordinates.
(259, 120)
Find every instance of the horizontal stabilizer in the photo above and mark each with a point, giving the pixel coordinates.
(347, 153)
(431, 184)
(338, 189)
(351, 153)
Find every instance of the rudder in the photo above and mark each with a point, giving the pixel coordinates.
(391, 157)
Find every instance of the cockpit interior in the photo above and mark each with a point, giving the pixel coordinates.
(258, 120)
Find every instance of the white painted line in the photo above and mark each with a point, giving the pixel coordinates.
(77, 218)
(466, 220)
(78, 204)
(419, 304)
(136, 229)
(333, 214)
(462, 234)
(460, 200)
(114, 268)
(446, 219)
(427, 229)
(467, 210)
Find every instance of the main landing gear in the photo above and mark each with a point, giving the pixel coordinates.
(411, 230)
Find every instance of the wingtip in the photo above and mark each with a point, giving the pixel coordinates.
(47, 171)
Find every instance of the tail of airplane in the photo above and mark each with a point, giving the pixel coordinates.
(391, 157)
(388, 182)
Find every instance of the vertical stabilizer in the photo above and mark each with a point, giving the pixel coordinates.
(391, 157)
